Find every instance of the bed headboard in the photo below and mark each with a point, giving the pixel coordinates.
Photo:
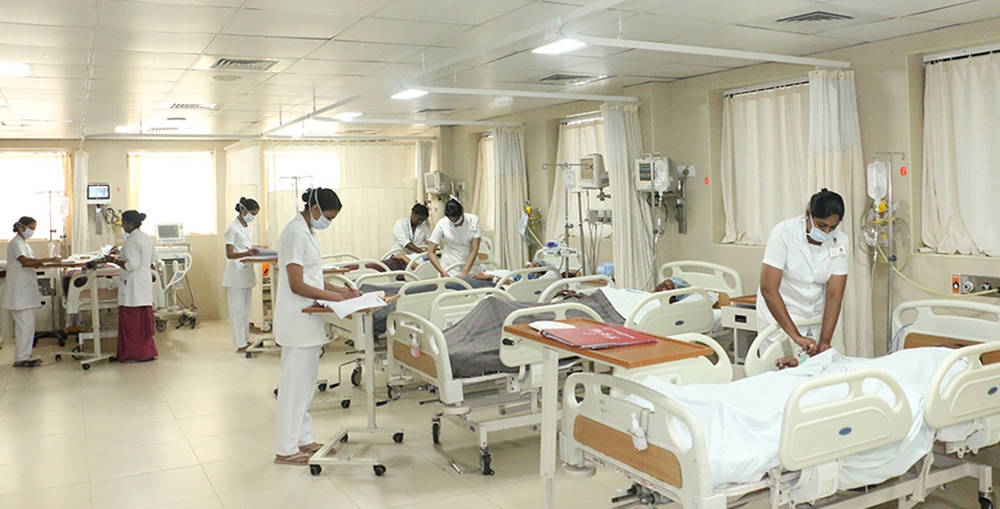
(941, 320)
(711, 276)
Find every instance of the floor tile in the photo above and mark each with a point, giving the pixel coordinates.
(152, 490)
(123, 462)
(41, 474)
(314, 495)
(237, 476)
(408, 484)
(76, 496)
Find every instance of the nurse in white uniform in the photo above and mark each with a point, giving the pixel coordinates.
(301, 336)
(409, 233)
(804, 274)
(461, 235)
(136, 329)
(239, 278)
(20, 294)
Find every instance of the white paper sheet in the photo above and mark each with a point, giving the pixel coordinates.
(541, 325)
(349, 306)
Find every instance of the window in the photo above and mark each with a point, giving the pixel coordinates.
(34, 185)
(485, 195)
(174, 187)
(765, 143)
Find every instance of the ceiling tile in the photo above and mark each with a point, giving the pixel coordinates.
(157, 17)
(964, 13)
(208, 3)
(887, 29)
(680, 58)
(333, 67)
(476, 37)
(43, 55)
(530, 15)
(664, 70)
(762, 40)
(152, 42)
(893, 8)
(355, 8)
(401, 32)
(284, 24)
(314, 80)
(468, 12)
(362, 51)
(855, 18)
(142, 60)
(42, 83)
(652, 28)
(129, 73)
(528, 60)
(49, 12)
(78, 72)
(737, 11)
(262, 47)
(39, 35)
(156, 88)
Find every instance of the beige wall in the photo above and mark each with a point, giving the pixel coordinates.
(109, 163)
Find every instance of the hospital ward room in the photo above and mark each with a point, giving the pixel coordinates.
(459, 254)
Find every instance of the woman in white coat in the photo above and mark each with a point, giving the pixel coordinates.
(301, 336)
(239, 278)
(136, 325)
(804, 274)
(20, 294)
(461, 235)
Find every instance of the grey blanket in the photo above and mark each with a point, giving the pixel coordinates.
(381, 314)
(474, 342)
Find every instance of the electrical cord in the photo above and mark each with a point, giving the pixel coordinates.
(928, 290)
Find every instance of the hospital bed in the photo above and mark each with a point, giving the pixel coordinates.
(353, 269)
(527, 285)
(715, 277)
(602, 414)
(583, 285)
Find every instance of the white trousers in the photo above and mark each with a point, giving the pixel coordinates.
(239, 315)
(296, 387)
(24, 333)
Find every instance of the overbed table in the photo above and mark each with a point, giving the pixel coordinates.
(636, 356)
(91, 267)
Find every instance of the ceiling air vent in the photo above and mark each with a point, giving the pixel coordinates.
(360, 132)
(570, 79)
(434, 111)
(816, 16)
(187, 106)
(161, 129)
(244, 64)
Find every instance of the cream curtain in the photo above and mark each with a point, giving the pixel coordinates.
(243, 170)
(80, 242)
(961, 156)
(633, 245)
(575, 141)
(424, 157)
(765, 138)
(510, 192)
(836, 162)
(483, 197)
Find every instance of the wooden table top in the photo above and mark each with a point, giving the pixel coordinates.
(745, 300)
(634, 356)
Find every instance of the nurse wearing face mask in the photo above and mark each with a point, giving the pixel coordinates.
(239, 278)
(20, 294)
(301, 336)
(136, 326)
(804, 274)
(461, 235)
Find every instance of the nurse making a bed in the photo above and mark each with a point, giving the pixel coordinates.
(301, 335)
(461, 235)
(239, 278)
(20, 294)
(804, 274)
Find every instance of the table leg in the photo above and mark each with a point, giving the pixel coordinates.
(550, 403)
(365, 324)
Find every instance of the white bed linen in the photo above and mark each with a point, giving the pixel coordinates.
(742, 419)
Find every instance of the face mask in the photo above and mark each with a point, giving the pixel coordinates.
(125, 235)
(249, 218)
(319, 224)
(819, 235)
(27, 233)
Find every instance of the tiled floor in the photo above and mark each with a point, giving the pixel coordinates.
(193, 430)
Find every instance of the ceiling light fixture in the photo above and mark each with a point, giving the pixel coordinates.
(15, 69)
(559, 47)
(410, 93)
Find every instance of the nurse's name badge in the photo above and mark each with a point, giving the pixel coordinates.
(837, 250)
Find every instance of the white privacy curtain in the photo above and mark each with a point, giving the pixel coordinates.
(836, 162)
(764, 145)
(962, 156)
(633, 243)
(484, 197)
(80, 242)
(510, 193)
(374, 180)
(424, 157)
(243, 170)
(576, 139)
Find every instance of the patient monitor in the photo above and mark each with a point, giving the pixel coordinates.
(592, 172)
(169, 233)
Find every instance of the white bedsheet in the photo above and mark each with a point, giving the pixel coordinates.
(742, 419)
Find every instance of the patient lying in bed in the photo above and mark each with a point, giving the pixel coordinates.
(742, 420)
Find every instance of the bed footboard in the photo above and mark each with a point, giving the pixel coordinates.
(516, 352)
(971, 395)
(417, 346)
(416, 297)
(450, 307)
(528, 289)
(582, 284)
(655, 314)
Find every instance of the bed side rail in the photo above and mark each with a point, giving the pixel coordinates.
(395, 277)
(359, 267)
(417, 346)
(697, 370)
(715, 277)
(758, 362)
(945, 318)
(858, 421)
(666, 319)
(526, 288)
(972, 393)
(450, 307)
(416, 297)
(514, 352)
(582, 284)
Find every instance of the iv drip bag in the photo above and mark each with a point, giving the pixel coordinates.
(878, 176)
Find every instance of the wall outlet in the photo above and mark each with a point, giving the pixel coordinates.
(686, 171)
(966, 284)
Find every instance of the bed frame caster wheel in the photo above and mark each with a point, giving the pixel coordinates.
(77, 349)
(276, 392)
(86, 367)
(986, 502)
(248, 355)
(322, 350)
(344, 438)
(393, 392)
(379, 470)
(436, 432)
(321, 387)
(161, 325)
(356, 377)
(397, 437)
(345, 404)
(112, 359)
(484, 464)
(315, 469)
(58, 358)
(194, 321)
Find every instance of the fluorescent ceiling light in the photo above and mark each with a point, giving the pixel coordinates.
(15, 69)
(347, 115)
(126, 129)
(558, 47)
(410, 93)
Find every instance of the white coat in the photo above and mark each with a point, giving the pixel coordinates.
(136, 289)
(298, 245)
(239, 274)
(21, 289)
(456, 241)
(805, 269)
(403, 234)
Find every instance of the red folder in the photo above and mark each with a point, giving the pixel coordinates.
(606, 336)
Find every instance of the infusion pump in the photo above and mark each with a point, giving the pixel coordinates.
(652, 174)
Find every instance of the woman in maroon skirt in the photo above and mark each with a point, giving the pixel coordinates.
(135, 295)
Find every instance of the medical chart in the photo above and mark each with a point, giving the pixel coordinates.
(349, 306)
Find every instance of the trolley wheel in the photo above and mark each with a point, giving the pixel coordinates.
(266, 327)
(78, 349)
(112, 359)
(379, 470)
(393, 392)
(321, 387)
(322, 350)
(344, 438)
(484, 464)
(194, 321)
(276, 392)
(86, 367)
(986, 502)
(315, 469)
(248, 355)
(345, 403)
(397, 437)
(436, 432)
(356, 376)
(58, 357)
(161, 325)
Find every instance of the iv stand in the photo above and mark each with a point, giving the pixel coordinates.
(890, 255)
